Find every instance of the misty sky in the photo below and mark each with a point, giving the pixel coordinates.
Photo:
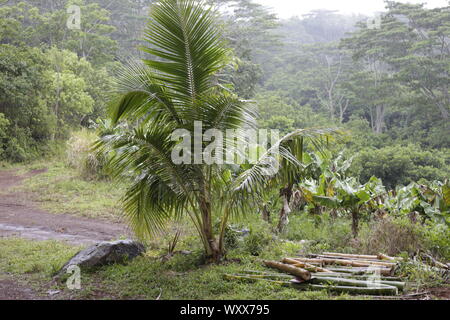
(288, 8)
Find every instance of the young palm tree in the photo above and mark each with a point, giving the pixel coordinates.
(176, 88)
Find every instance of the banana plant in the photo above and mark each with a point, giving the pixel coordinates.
(431, 202)
(347, 196)
(291, 175)
(329, 188)
(324, 172)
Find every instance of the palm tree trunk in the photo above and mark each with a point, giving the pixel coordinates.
(214, 251)
(286, 194)
(265, 213)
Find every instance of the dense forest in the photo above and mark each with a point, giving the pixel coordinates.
(388, 87)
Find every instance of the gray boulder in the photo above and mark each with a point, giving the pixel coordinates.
(104, 253)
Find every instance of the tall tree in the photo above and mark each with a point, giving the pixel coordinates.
(414, 43)
(248, 29)
(177, 88)
(44, 24)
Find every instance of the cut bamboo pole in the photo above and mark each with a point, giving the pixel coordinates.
(267, 276)
(381, 291)
(353, 276)
(356, 271)
(348, 255)
(378, 263)
(342, 262)
(372, 263)
(309, 260)
(398, 284)
(382, 256)
(333, 284)
(356, 282)
(362, 271)
(338, 275)
(311, 268)
(304, 265)
(339, 272)
(296, 271)
(323, 256)
(338, 281)
(238, 277)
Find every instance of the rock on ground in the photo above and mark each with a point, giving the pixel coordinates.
(104, 253)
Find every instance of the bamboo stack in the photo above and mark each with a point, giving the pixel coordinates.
(303, 274)
(336, 272)
(381, 263)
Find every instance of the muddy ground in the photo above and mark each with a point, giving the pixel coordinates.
(19, 216)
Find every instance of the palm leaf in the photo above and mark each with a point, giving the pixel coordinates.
(187, 47)
(252, 182)
(139, 94)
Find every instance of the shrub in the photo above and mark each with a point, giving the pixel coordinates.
(3, 126)
(81, 156)
(259, 238)
(325, 232)
(18, 144)
(401, 165)
(420, 275)
(14, 151)
(392, 236)
(231, 238)
(437, 240)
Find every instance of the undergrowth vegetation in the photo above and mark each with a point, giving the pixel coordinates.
(185, 275)
(81, 157)
(20, 256)
(147, 277)
(63, 189)
(174, 266)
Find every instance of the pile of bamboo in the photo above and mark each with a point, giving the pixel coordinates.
(340, 262)
(336, 272)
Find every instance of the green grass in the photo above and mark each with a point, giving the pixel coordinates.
(62, 190)
(20, 256)
(323, 232)
(182, 277)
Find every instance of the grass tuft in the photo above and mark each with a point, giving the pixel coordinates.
(62, 190)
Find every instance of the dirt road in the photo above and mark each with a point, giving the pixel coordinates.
(20, 217)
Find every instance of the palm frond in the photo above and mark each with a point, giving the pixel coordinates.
(150, 203)
(161, 190)
(225, 111)
(187, 47)
(139, 95)
(277, 162)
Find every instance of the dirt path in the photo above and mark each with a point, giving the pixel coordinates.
(12, 290)
(20, 217)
